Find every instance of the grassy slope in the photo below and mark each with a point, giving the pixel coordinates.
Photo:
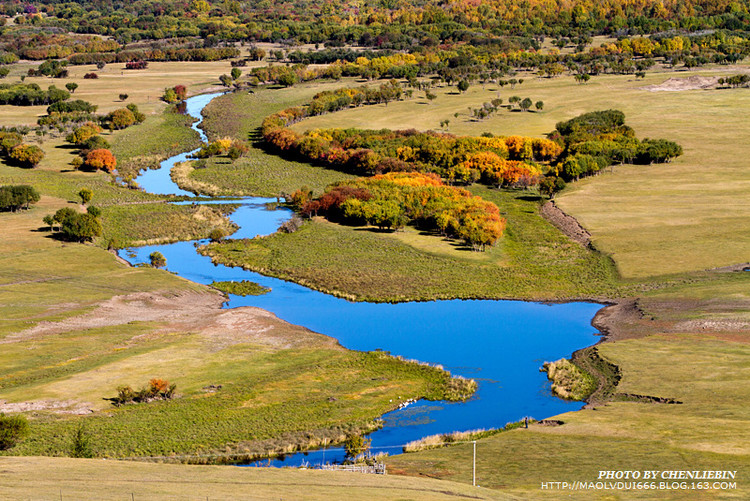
(639, 215)
(104, 480)
(534, 260)
(42, 278)
(706, 370)
(238, 115)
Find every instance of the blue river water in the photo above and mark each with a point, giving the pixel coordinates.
(501, 344)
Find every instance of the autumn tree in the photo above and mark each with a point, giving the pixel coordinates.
(27, 155)
(101, 159)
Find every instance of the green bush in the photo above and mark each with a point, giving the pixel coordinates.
(12, 430)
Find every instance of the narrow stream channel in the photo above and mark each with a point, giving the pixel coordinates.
(501, 344)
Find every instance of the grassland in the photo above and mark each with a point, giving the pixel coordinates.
(143, 87)
(533, 260)
(108, 480)
(157, 138)
(238, 115)
(638, 214)
(691, 346)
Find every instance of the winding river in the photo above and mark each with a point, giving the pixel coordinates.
(501, 344)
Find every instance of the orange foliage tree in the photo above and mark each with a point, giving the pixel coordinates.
(101, 159)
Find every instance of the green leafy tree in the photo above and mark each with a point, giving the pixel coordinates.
(71, 86)
(157, 259)
(354, 445)
(225, 80)
(539, 105)
(525, 104)
(86, 195)
(463, 86)
(64, 214)
(49, 220)
(236, 73)
(80, 446)
(14, 197)
(81, 228)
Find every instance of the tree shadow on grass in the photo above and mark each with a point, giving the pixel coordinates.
(529, 198)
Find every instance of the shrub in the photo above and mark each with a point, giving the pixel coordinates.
(90, 76)
(12, 430)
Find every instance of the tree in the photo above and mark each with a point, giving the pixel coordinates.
(525, 104)
(287, 79)
(81, 228)
(81, 134)
(12, 430)
(180, 91)
(81, 444)
(121, 119)
(157, 259)
(169, 96)
(14, 197)
(354, 445)
(539, 105)
(28, 155)
(49, 220)
(550, 185)
(463, 86)
(430, 96)
(226, 80)
(64, 214)
(123, 97)
(101, 159)
(236, 72)
(86, 195)
(71, 86)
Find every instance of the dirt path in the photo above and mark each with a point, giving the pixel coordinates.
(565, 223)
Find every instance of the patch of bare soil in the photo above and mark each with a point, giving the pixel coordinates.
(566, 223)
(685, 83)
(190, 313)
(74, 407)
(196, 312)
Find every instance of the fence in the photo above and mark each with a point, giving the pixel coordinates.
(377, 468)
